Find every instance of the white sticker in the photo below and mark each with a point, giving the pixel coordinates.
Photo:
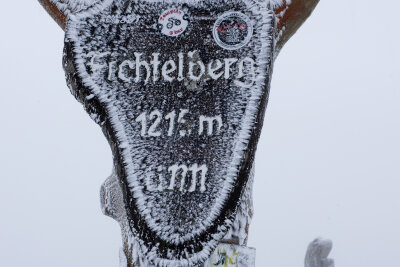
(173, 22)
(232, 30)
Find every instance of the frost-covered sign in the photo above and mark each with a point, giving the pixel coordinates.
(179, 88)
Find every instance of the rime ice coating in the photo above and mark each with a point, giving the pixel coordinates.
(182, 115)
(74, 6)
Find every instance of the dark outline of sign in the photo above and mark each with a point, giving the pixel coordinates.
(80, 88)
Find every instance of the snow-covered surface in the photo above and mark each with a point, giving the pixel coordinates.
(175, 219)
(278, 3)
(240, 227)
(78, 5)
(318, 252)
(113, 205)
(123, 261)
(73, 6)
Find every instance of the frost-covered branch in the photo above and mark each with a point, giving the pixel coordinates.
(317, 254)
(59, 9)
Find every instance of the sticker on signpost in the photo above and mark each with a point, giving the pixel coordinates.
(173, 22)
(233, 30)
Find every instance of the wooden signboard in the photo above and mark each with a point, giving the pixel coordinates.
(179, 89)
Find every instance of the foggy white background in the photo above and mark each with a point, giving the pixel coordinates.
(328, 161)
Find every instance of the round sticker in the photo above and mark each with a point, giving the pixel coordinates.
(233, 30)
(173, 22)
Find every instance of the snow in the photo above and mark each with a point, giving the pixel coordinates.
(240, 227)
(123, 261)
(277, 3)
(74, 6)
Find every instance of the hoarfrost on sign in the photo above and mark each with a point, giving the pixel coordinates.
(182, 111)
(79, 5)
(74, 6)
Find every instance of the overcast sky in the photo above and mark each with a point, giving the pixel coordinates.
(328, 161)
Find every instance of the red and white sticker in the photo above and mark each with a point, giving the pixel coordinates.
(233, 30)
(173, 22)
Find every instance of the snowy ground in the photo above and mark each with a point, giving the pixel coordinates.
(327, 163)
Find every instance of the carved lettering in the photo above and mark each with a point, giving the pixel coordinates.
(211, 121)
(208, 125)
(188, 176)
(174, 68)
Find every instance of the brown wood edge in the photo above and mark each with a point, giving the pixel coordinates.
(291, 17)
(59, 16)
